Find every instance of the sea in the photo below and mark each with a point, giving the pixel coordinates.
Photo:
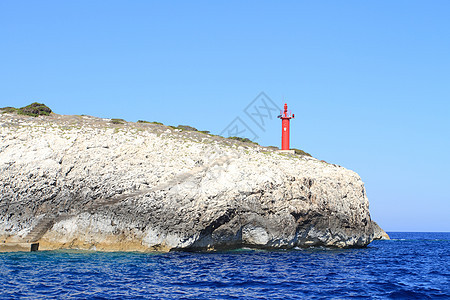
(409, 266)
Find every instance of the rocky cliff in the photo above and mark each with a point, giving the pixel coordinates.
(378, 233)
(81, 182)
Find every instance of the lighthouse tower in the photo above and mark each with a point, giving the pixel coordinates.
(285, 117)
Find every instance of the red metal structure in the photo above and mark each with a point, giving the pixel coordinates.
(285, 117)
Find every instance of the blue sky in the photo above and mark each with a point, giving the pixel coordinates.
(368, 81)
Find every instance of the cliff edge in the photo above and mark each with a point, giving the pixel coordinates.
(82, 182)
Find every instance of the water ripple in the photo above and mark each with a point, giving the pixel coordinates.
(411, 266)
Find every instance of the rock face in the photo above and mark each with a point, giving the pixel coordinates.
(84, 183)
(378, 233)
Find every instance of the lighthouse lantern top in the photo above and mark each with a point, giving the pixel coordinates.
(286, 114)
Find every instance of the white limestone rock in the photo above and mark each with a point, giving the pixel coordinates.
(149, 187)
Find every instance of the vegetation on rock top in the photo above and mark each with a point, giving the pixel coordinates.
(34, 109)
(118, 121)
(244, 140)
(147, 122)
(187, 128)
(301, 152)
(38, 109)
(8, 110)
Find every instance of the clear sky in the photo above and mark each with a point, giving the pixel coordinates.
(368, 81)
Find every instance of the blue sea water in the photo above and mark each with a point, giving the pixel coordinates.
(410, 266)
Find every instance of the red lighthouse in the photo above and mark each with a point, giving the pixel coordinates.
(285, 117)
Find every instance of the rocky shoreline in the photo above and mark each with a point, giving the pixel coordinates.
(80, 182)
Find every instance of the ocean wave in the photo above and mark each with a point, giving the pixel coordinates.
(386, 269)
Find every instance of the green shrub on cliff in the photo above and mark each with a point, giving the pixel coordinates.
(147, 122)
(35, 109)
(8, 110)
(144, 122)
(187, 128)
(244, 140)
(301, 152)
(118, 121)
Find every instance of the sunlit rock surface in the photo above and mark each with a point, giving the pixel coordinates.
(81, 182)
